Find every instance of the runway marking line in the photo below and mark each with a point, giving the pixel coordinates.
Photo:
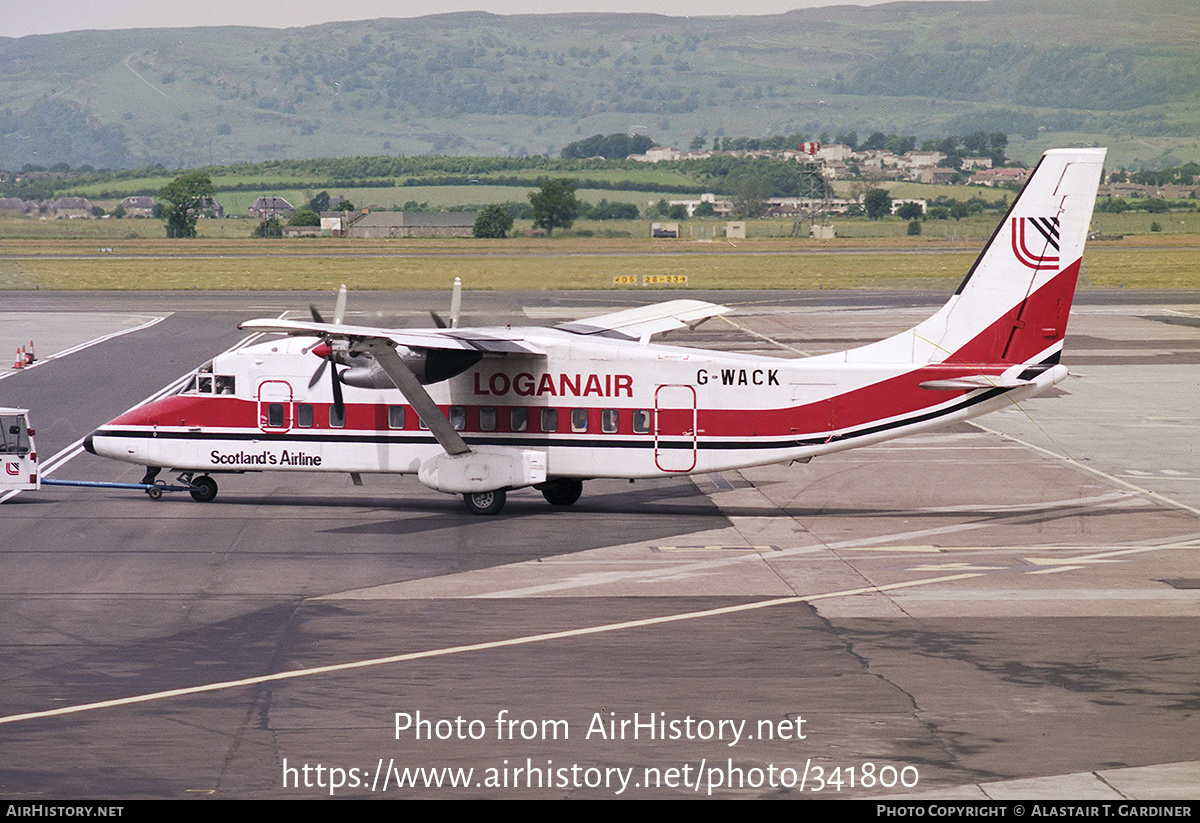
(1111, 478)
(88, 344)
(473, 647)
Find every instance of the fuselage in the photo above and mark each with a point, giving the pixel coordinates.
(596, 407)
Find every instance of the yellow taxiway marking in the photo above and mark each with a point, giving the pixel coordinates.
(473, 647)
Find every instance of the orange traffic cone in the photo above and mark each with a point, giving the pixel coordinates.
(20, 364)
(29, 354)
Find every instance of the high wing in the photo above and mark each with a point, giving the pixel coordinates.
(645, 321)
(488, 342)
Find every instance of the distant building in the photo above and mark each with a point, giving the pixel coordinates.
(268, 208)
(938, 174)
(209, 207)
(379, 224)
(138, 206)
(71, 208)
(658, 154)
(337, 223)
(995, 177)
(969, 163)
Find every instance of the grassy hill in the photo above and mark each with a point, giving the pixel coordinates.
(1051, 72)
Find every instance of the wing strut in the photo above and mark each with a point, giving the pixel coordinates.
(415, 394)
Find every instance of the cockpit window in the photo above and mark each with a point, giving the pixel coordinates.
(205, 382)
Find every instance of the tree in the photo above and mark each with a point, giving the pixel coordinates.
(750, 195)
(877, 203)
(320, 202)
(554, 205)
(305, 217)
(910, 211)
(186, 195)
(493, 221)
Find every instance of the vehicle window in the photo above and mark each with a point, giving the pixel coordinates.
(579, 420)
(337, 416)
(274, 414)
(549, 420)
(610, 420)
(15, 435)
(518, 418)
(641, 421)
(458, 417)
(225, 384)
(304, 415)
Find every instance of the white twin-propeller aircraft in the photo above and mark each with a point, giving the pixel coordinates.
(482, 411)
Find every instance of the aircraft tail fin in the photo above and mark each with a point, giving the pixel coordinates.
(1013, 305)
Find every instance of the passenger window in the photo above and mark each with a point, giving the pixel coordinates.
(579, 420)
(275, 415)
(518, 418)
(487, 419)
(641, 421)
(610, 421)
(549, 420)
(304, 415)
(458, 418)
(337, 416)
(395, 417)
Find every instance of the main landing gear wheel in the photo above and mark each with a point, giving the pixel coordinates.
(204, 489)
(485, 502)
(562, 492)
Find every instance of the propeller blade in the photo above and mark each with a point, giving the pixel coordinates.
(339, 306)
(316, 378)
(455, 302)
(316, 315)
(337, 392)
(438, 320)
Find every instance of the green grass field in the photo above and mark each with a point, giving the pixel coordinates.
(570, 262)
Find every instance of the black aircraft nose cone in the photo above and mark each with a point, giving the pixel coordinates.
(87, 444)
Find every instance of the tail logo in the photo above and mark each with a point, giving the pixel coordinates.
(1041, 233)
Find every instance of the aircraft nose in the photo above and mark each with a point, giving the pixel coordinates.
(87, 444)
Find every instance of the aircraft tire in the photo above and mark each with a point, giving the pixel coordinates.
(204, 489)
(562, 492)
(485, 502)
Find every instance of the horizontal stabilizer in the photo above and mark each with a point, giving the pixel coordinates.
(643, 322)
(976, 381)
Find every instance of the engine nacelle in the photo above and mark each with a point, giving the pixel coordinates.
(428, 365)
(486, 469)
